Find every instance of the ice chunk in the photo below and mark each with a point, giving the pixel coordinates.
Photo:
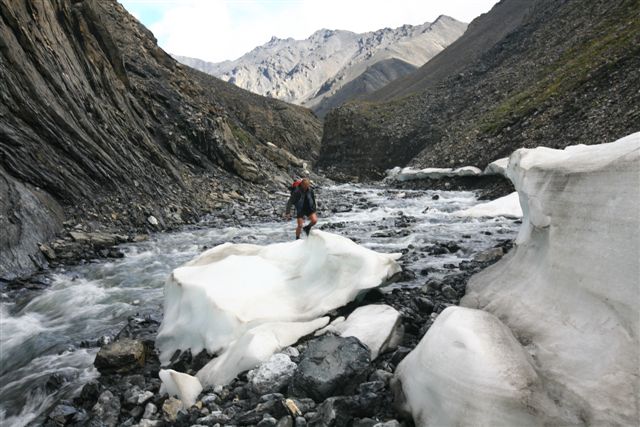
(185, 387)
(214, 301)
(254, 347)
(469, 369)
(498, 167)
(571, 286)
(508, 206)
(378, 326)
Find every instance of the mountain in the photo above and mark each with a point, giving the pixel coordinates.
(99, 126)
(525, 74)
(375, 77)
(307, 72)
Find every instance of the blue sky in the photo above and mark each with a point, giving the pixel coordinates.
(216, 30)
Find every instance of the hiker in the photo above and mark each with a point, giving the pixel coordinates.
(303, 199)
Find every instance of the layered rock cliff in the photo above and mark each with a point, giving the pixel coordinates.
(527, 73)
(98, 123)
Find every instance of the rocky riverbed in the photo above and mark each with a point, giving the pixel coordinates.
(58, 323)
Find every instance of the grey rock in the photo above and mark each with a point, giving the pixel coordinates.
(340, 410)
(120, 356)
(272, 375)
(285, 421)
(330, 364)
(267, 421)
(107, 410)
(449, 292)
(62, 414)
(216, 417)
(489, 255)
(150, 411)
(170, 409)
(381, 375)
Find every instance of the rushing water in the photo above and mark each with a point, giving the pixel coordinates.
(44, 332)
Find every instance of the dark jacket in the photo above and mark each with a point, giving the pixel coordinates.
(297, 199)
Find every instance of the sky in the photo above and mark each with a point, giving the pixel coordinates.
(218, 30)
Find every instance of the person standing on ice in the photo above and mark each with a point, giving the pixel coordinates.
(304, 200)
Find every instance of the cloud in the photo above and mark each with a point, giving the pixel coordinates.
(215, 30)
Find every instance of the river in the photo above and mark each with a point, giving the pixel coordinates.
(49, 335)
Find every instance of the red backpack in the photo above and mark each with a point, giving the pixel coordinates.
(295, 185)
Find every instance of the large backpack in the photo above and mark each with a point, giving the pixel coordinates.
(295, 185)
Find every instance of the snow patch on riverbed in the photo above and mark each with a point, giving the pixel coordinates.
(507, 206)
(236, 296)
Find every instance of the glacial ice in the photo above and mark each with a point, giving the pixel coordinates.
(571, 287)
(378, 326)
(411, 174)
(507, 206)
(244, 302)
(469, 370)
(184, 386)
(569, 292)
(254, 347)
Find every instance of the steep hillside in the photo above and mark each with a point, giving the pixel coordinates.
(373, 78)
(308, 71)
(98, 124)
(527, 73)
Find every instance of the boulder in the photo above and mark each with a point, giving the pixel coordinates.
(272, 375)
(331, 365)
(378, 326)
(120, 356)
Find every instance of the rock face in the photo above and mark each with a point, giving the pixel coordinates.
(96, 118)
(516, 78)
(28, 217)
(330, 365)
(311, 72)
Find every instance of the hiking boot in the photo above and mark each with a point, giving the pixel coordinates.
(307, 228)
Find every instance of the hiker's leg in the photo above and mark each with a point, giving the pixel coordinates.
(313, 219)
(299, 227)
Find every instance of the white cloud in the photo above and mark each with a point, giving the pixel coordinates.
(215, 30)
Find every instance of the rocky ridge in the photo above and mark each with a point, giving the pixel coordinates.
(523, 75)
(310, 72)
(100, 130)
